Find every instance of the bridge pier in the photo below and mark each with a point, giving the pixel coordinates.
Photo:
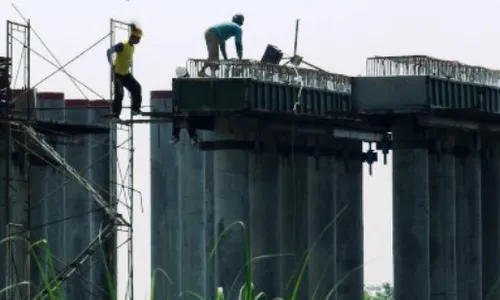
(349, 223)
(410, 214)
(468, 174)
(490, 195)
(443, 219)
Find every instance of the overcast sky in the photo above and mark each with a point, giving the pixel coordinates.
(336, 35)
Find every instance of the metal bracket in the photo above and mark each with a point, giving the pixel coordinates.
(370, 157)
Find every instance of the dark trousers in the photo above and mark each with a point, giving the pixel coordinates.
(126, 81)
(176, 129)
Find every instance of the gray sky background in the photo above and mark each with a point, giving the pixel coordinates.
(336, 35)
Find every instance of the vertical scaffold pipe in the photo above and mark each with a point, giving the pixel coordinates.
(349, 223)
(77, 204)
(321, 202)
(165, 206)
(103, 260)
(264, 236)
(468, 192)
(231, 205)
(442, 194)
(490, 193)
(410, 213)
(48, 202)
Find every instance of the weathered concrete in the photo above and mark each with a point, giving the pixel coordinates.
(490, 195)
(349, 223)
(182, 210)
(468, 176)
(231, 204)
(99, 167)
(443, 220)
(165, 206)
(321, 210)
(410, 215)
(193, 211)
(294, 221)
(264, 235)
(48, 205)
(76, 202)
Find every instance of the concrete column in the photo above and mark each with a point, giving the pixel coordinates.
(100, 176)
(490, 196)
(443, 221)
(192, 217)
(321, 210)
(48, 208)
(77, 204)
(165, 206)
(264, 236)
(410, 214)
(293, 221)
(468, 175)
(231, 196)
(349, 224)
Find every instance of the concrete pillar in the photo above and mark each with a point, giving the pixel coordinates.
(443, 220)
(349, 223)
(321, 224)
(410, 214)
(48, 208)
(490, 196)
(468, 176)
(165, 206)
(294, 222)
(264, 236)
(231, 204)
(193, 216)
(99, 163)
(77, 204)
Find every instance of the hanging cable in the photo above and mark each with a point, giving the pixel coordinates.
(47, 48)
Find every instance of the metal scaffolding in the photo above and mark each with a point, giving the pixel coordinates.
(17, 257)
(121, 149)
(19, 117)
(421, 65)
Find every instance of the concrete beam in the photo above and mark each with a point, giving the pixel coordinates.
(410, 216)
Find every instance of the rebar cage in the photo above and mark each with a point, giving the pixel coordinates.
(421, 65)
(247, 68)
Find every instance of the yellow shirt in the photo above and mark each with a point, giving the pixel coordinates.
(124, 58)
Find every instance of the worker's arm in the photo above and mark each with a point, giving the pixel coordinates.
(223, 49)
(239, 44)
(115, 49)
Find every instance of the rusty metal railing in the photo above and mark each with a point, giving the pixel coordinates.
(274, 73)
(422, 65)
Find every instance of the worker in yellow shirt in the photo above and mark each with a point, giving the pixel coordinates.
(121, 71)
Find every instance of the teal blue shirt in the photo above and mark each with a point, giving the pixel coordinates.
(225, 31)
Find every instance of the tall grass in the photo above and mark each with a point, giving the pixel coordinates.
(246, 291)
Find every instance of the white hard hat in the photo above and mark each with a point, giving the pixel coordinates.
(181, 72)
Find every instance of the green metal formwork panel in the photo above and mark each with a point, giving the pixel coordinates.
(210, 94)
(236, 94)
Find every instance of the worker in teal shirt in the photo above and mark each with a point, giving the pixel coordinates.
(216, 37)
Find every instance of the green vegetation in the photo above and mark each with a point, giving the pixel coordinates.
(383, 292)
(41, 249)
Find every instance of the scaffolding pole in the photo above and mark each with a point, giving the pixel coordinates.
(123, 187)
(16, 210)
